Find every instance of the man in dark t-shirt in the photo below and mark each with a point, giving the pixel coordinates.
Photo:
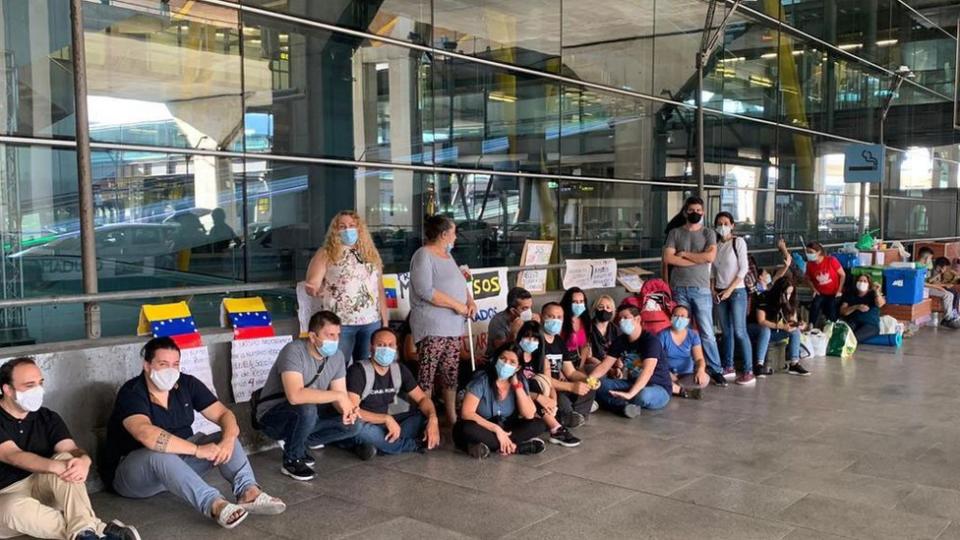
(648, 384)
(151, 446)
(381, 431)
(39, 461)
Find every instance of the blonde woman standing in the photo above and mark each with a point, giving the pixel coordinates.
(346, 274)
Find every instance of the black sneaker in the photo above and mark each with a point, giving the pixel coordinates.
(574, 420)
(563, 437)
(533, 446)
(479, 451)
(762, 372)
(631, 410)
(116, 530)
(365, 451)
(718, 379)
(796, 369)
(297, 470)
(691, 393)
(86, 535)
(309, 458)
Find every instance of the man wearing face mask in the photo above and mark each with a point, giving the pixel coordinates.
(648, 384)
(151, 447)
(373, 385)
(690, 251)
(304, 402)
(504, 325)
(39, 461)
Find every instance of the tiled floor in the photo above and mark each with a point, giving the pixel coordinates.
(866, 448)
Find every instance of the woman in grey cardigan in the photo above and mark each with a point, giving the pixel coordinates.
(440, 305)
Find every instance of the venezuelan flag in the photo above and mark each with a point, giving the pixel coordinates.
(390, 290)
(170, 320)
(249, 317)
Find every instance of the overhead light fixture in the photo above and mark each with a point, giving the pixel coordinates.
(850, 46)
(761, 81)
(768, 55)
(382, 66)
(886, 42)
(733, 59)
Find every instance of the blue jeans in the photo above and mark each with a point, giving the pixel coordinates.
(411, 423)
(732, 313)
(301, 425)
(652, 397)
(355, 341)
(144, 473)
(765, 335)
(700, 301)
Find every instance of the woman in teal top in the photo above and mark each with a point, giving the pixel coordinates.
(684, 354)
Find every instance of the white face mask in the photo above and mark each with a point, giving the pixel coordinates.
(30, 400)
(165, 379)
(724, 230)
(863, 286)
(526, 315)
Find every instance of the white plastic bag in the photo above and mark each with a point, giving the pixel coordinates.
(889, 325)
(816, 342)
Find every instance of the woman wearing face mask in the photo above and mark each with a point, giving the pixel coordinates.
(536, 372)
(776, 316)
(826, 278)
(346, 273)
(684, 354)
(576, 323)
(440, 306)
(498, 414)
(602, 331)
(861, 308)
(730, 268)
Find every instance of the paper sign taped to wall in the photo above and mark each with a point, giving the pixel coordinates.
(590, 273)
(196, 362)
(250, 361)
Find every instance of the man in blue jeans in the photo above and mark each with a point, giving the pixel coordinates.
(374, 384)
(690, 251)
(648, 384)
(304, 401)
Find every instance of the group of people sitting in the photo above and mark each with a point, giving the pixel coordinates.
(542, 375)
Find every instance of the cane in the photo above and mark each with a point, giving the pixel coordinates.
(473, 362)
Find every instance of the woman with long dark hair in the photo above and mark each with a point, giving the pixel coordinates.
(576, 323)
(776, 316)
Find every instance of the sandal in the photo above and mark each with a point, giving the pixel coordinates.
(264, 505)
(234, 511)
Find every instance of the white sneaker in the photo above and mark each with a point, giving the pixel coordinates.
(594, 407)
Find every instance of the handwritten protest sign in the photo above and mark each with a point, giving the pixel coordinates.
(251, 360)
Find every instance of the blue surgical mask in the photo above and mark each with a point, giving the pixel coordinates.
(529, 346)
(552, 326)
(349, 237)
(577, 308)
(384, 355)
(679, 323)
(627, 326)
(328, 348)
(505, 370)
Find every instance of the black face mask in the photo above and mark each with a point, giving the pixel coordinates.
(693, 218)
(603, 316)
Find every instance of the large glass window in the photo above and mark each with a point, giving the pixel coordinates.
(407, 20)
(36, 73)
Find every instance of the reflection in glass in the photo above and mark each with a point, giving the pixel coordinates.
(923, 218)
(36, 74)
(743, 78)
(753, 210)
(407, 20)
(520, 33)
(317, 93)
(165, 80)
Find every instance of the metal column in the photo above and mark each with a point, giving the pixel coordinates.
(88, 254)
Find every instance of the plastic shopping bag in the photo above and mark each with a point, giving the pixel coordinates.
(816, 342)
(889, 325)
(842, 341)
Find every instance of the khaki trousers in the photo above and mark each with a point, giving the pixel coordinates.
(44, 506)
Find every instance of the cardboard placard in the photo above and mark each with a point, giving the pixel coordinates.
(251, 361)
(196, 362)
(632, 278)
(535, 253)
(590, 273)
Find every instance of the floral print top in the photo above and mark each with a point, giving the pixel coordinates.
(352, 289)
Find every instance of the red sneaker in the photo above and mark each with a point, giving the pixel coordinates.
(745, 379)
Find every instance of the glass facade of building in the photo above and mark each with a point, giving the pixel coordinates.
(226, 134)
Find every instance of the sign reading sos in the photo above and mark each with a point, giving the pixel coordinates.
(486, 285)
